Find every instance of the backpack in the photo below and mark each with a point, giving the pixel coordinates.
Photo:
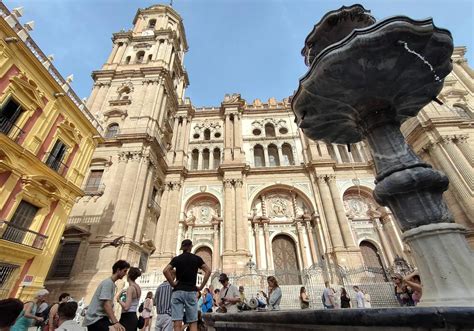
(140, 308)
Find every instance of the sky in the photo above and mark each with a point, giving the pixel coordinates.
(251, 47)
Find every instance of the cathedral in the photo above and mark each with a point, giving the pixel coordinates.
(239, 179)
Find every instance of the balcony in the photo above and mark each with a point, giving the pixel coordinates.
(16, 234)
(9, 128)
(94, 189)
(56, 163)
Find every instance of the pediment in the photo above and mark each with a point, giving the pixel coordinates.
(69, 130)
(22, 84)
(453, 93)
(115, 112)
(75, 231)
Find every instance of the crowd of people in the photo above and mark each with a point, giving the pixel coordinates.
(179, 302)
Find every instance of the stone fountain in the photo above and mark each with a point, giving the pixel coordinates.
(365, 79)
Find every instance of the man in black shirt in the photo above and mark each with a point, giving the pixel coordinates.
(184, 297)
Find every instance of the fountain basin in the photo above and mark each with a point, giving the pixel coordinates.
(371, 71)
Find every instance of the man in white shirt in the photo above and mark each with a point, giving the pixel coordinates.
(359, 297)
(328, 297)
(229, 295)
(67, 312)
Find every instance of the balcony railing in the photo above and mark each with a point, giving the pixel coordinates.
(55, 163)
(94, 189)
(16, 234)
(10, 129)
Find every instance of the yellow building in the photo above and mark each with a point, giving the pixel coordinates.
(47, 138)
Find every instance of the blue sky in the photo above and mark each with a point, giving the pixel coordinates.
(250, 47)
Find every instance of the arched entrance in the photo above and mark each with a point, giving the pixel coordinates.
(285, 260)
(370, 255)
(206, 254)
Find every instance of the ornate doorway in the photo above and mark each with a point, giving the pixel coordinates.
(206, 254)
(285, 261)
(370, 255)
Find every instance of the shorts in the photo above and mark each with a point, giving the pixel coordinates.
(184, 303)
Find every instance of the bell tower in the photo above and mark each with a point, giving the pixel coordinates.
(136, 95)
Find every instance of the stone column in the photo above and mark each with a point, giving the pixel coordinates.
(112, 54)
(331, 217)
(323, 245)
(385, 243)
(312, 247)
(337, 153)
(256, 232)
(216, 253)
(265, 152)
(120, 52)
(144, 204)
(228, 229)
(462, 143)
(177, 131)
(172, 221)
(241, 223)
(465, 170)
(227, 139)
(93, 95)
(211, 158)
(393, 234)
(200, 159)
(459, 188)
(160, 225)
(268, 246)
(341, 213)
(280, 155)
(300, 230)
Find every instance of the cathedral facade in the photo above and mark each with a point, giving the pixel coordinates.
(239, 179)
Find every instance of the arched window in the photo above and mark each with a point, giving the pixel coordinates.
(217, 158)
(273, 158)
(205, 158)
(285, 260)
(259, 156)
(269, 130)
(194, 159)
(140, 57)
(151, 24)
(207, 134)
(287, 152)
(150, 56)
(127, 59)
(205, 254)
(112, 130)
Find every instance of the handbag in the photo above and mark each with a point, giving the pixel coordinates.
(141, 322)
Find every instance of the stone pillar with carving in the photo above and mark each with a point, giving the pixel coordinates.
(312, 246)
(172, 220)
(304, 257)
(329, 212)
(266, 157)
(268, 246)
(465, 170)
(256, 233)
(241, 222)
(227, 138)
(462, 142)
(341, 213)
(216, 254)
(459, 187)
(383, 238)
(228, 224)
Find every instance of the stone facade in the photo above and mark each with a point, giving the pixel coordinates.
(239, 179)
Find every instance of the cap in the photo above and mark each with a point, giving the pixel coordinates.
(223, 277)
(186, 243)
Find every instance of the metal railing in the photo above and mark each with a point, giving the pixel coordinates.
(17, 234)
(55, 163)
(7, 275)
(10, 129)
